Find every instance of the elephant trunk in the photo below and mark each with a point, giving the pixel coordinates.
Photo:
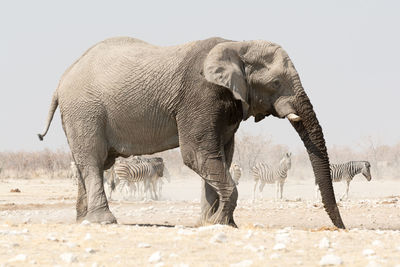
(311, 134)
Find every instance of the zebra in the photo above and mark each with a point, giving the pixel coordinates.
(345, 172)
(266, 174)
(131, 173)
(74, 173)
(236, 172)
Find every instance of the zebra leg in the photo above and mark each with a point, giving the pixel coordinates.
(346, 191)
(255, 190)
(281, 189)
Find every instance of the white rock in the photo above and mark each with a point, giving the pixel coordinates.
(144, 245)
(160, 264)
(330, 259)
(284, 230)
(185, 232)
(70, 244)
(279, 246)
(244, 263)
(211, 227)
(90, 250)
(373, 264)
(68, 257)
(377, 243)
(19, 257)
(250, 247)
(324, 243)
(51, 237)
(155, 257)
(219, 238)
(258, 225)
(368, 252)
(282, 238)
(274, 256)
(249, 234)
(173, 255)
(85, 222)
(88, 236)
(181, 265)
(238, 243)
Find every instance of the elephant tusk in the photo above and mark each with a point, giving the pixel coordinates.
(293, 117)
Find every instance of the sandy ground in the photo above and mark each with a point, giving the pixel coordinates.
(37, 228)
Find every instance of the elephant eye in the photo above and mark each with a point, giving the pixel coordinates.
(276, 84)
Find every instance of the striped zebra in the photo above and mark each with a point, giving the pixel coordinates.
(139, 171)
(74, 173)
(345, 172)
(236, 172)
(266, 174)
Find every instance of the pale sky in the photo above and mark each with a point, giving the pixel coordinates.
(346, 52)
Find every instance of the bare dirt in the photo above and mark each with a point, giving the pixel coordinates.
(37, 228)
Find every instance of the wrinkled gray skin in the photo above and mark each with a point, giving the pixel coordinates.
(127, 97)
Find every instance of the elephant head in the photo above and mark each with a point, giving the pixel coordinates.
(261, 75)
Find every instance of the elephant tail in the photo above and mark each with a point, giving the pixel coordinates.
(53, 107)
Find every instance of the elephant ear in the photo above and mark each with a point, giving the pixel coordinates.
(224, 67)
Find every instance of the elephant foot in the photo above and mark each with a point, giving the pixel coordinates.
(216, 218)
(103, 216)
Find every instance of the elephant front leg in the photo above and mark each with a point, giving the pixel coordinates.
(219, 193)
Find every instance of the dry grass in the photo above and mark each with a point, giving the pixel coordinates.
(249, 150)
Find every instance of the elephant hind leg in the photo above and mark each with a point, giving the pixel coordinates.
(90, 154)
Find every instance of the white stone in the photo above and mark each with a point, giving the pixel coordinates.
(330, 259)
(144, 245)
(85, 222)
(324, 243)
(70, 244)
(181, 265)
(88, 236)
(274, 256)
(51, 237)
(377, 243)
(250, 247)
(373, 264)
(19, 257)
(211, 227)
(219, 238)
(279, 246)
(160, 264)
(173, 255)
(155, 257)
(244, 263)
(68, 257)
(258, 225)
(282, 237)
(249, 234)
(185, 232)
(368, 252)
(90, 250)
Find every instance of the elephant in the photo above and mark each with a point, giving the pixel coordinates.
(126, 97)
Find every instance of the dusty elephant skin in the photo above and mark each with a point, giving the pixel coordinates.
(127, 97)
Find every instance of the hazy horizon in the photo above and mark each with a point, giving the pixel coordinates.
(341, 48)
